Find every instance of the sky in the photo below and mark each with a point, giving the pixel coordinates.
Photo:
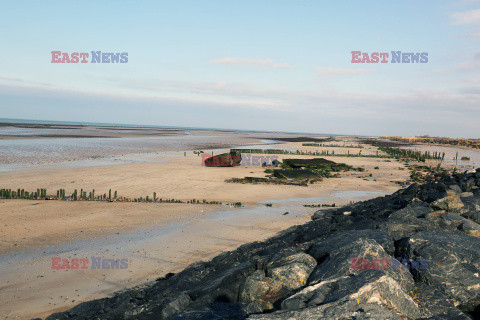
(270, 65)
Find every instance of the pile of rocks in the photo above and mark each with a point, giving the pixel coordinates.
(341, 265)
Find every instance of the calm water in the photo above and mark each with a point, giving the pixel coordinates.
(450, 153)
(20, 153)
(54, 145)
(128, 243)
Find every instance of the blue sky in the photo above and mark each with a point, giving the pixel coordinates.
(262, 65)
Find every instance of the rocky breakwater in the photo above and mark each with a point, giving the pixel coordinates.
(414, 254)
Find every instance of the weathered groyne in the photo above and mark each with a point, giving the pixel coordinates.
(341, 265)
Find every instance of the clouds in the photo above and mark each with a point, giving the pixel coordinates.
(471, 90)
(469, 66)
(465, 2)
(475, 35)
(472, 80)
(230, 105)
(466, 17)
(336, 72)
(279, 66)
(269, 63)
(21, 81)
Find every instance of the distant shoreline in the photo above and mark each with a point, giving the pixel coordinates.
(52, 124)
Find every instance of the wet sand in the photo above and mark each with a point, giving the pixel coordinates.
(450, 154)
(31, 288)
(156, 238)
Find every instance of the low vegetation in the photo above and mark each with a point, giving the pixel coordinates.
(423, 174)
(470, 143)
(401, 154)
(299, 172)
(329, 153)
(320, 205)
(41, 194)
(331, 145)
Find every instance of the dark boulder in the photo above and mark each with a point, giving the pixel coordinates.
(339, 266)
(449, 203)
(453, 265)
(340, 310)
(435, 305)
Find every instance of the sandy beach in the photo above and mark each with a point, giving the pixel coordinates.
(177, 177)
(156, 238)
(239, 160)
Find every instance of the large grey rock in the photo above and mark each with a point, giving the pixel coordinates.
(213, 311)
(292, 270)
(417, 217)
(454, 223)
(225, 286)
(176, 305)
(473, 216)
(370, 286)
(339, 239)
(337, 280)
(409, 220)
(435, 305)
(323, 214)
(286, 271)
(472, 203)
(453, 265)
(470, 228)
(449, 203)
(263, 290)
(339, 310)
(343, 261)
(454, 190)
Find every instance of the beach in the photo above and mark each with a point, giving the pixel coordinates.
(155, 238)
